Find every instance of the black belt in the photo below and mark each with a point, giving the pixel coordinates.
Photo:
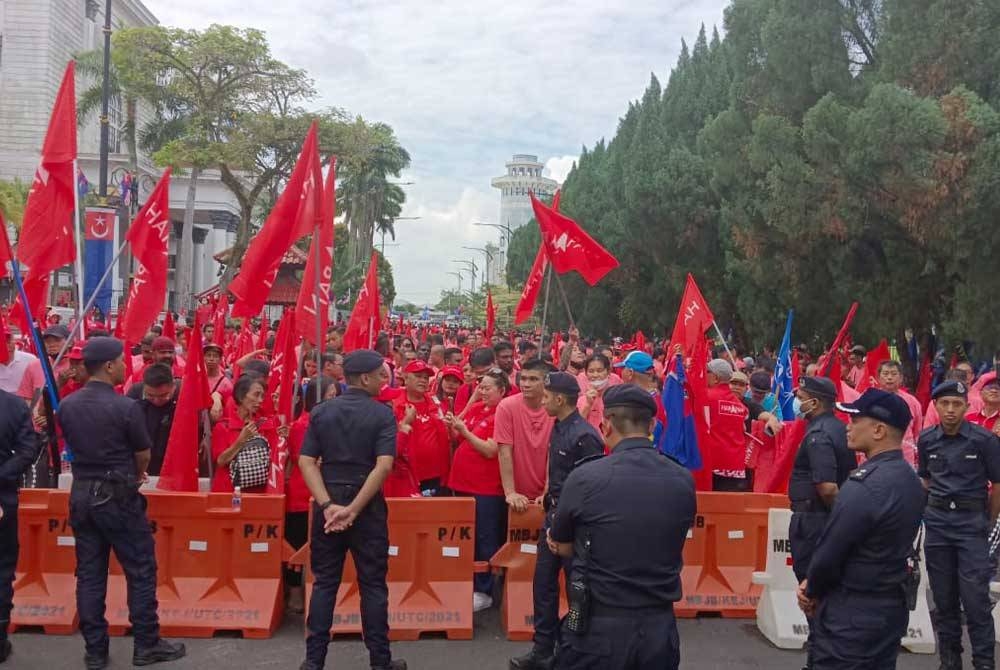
(955, 504)
(600, 609)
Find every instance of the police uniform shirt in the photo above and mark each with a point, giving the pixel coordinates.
(637, 506)
(823, 457)
(959, 466)
(871, 529)
(17, 443)
(573, 440)
(349, 432)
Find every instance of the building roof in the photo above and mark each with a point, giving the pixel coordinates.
(285, 291)
(294, 256)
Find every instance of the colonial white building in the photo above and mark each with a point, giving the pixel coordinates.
(524, 175)
(37, 39)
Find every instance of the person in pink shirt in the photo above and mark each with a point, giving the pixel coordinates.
(989, 409)
(594, 381)
(962, 372)
(218, 382)
(856, 370)
(522, 430)
(890, 379)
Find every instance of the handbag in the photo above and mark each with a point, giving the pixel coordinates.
(252, 464)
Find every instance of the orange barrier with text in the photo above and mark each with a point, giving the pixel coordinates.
(44, 580)
(517, 559)
(727, 543)
(431, 552)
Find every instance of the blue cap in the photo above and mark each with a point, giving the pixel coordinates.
(951, 387)
(818, 387)
(880, 405)
(362, 361)
(629, 395)
(562, 382)
(637, 361)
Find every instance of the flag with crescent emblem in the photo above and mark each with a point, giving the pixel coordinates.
(98, 250)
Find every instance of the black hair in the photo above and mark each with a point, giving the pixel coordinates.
(243, 386)
(600, 358)
(890, 364)
(482, 356)
(500, 377)
(157, 374)
(502, 346)
(382, 344)
(536, 365)
(257, 367)
(629, 420)
(324, 384)
(451, 351)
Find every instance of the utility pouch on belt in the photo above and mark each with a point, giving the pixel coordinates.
(578, 592)
(912, 581)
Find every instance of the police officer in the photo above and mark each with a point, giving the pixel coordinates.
(111, 451)
(855, 591)
(573, 441)
(624, 520)
(17, 453)
(956, 461)
(355, 435)
(822, 463)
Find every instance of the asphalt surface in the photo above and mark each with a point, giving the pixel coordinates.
(706, 644)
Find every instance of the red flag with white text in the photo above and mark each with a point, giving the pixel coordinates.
(149, 236)
(693, 318)
(281, 379)
(363, 324)
(312, 304)
(569, 247)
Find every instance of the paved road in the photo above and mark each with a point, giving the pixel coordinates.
(707, 644)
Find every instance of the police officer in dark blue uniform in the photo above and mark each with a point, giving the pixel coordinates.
(855, 591)
(17, 453)
(356, 437)
(573, 441)
(111, 451)
(822, 464)
(624, 519)
(956, 461)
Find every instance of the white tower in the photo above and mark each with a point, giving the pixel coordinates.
(524, 174)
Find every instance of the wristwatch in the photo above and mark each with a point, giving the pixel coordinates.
(328, 503)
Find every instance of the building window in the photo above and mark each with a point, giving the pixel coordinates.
(116, 123)
(91, 7)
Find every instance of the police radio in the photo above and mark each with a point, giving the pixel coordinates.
(911, 583)
(578, 592)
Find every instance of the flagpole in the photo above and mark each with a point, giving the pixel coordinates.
(562, 292)
(79, 248)
(36, 337)
(731, 359)
(545, 307)
(90, 303)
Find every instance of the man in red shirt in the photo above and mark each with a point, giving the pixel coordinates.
(989, 410)
(522, 431)
(165, 352)
(427, 439)
(726, 424)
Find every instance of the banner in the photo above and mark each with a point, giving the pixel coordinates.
(99, 229)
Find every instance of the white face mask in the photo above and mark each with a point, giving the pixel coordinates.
(599, 384)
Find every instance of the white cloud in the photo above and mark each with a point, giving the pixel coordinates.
(559, 166)
(466, 86)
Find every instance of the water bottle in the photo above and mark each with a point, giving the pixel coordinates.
(65, 461)
(237, 499)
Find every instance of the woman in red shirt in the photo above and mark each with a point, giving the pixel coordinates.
(475, 472)
(235, 431)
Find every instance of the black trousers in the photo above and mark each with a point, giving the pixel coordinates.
(545, 590)
(858, 631)
(645, 641)
(297, 534)
(118, 524)
(368, 541)
(803, 534)
(8, 559)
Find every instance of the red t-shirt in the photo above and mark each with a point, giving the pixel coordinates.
(428, 441)
(471, 472)
(296, 492)
(726, 417)
(402, 482)
(980, 418)
(223, 435)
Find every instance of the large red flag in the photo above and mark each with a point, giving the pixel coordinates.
(693, 318)
(281, 379)
(697, 389)
(364, 320)
(533, 284)
(169, 327)
(6, 253)
(219, 318)
(569, 247)
(293, 216)
(826, 359)
(262, 332)
(310, 304)
(491, 317)
(875, 357)
(180, 463)
(923, 393)
(149, 236)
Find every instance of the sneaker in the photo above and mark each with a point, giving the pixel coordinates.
(96, 661)
(5, 649)
(393, 665)
(161, 652)
(536, 659)
(481, 601)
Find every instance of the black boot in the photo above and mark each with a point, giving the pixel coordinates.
(536, 659)
(396, 664)
(96, 661)
(162, 651)
(5, 649)
(951, 658)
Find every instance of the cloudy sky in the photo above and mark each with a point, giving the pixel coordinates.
(466, 85)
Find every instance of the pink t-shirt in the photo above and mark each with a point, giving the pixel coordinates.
(31, 378)
(527, 431)
(913, 432)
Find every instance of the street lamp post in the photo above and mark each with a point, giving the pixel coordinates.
(398, 218)
(102, 186)
(489, 259)
(459, 275)
(474, 269)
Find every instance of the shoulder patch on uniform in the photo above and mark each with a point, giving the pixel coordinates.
(863, 471)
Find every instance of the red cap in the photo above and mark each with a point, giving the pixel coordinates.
(163, 343)
(453, 371)
(417, 367)
(389, 393)
(76, 353)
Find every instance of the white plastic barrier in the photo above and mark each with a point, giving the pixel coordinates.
(995, 588)
(781, 621)
(204, 483)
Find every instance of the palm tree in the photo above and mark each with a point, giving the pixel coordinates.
(90, 64)
(13, 197)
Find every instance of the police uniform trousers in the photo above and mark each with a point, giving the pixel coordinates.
(959, 571)
(8, 557)
(101, 524)
(803, 534)
(545, 591)
(368, 541)
(622, 639)
(855, 630)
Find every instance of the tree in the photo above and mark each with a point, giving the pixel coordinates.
(13, 197)
(90, 65)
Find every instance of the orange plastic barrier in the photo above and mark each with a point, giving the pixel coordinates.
(217, 569)
(431, 551)
(44, 581)
(517, 557)
(727, 543)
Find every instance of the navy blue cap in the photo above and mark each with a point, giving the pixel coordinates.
(818, 387)
(102, 350)
(562, 382)
(361, 361)
(880, 405)
(951, 387)
(629, 395)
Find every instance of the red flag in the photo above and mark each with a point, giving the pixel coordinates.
(310, 304)
(37, 290)
(532, 286)
(569, 247)
(281, 379)
(786, 446)
(149, 236)
(293, 216)
(4, 351)
(875, 357)
(180, 464)
(693, 318)
(491, 317)
(842, 336)
(221, 311)
(46, 241)
(169, 329)
(364, 320)
(924, 382)
(6, 254)
(834, 374)
(262, 332)
(796, 368)
(697, 389)
(639, 339)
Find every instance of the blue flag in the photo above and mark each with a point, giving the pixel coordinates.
(98, 248)
(679, 440)
(782, 387)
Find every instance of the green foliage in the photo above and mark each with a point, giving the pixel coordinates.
(13, 198)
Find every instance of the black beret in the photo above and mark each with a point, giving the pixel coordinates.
(820, 387)
(360, 361)
(629, 395)
(102, 350)
(562, 382)
(950, 388)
